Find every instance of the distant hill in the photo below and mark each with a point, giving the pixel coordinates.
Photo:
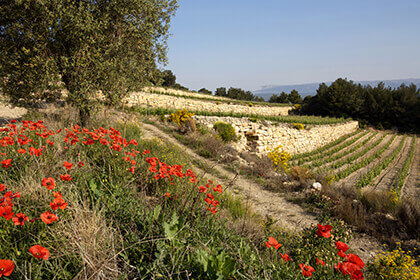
(310, 89)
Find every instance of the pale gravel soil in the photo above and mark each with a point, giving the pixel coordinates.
(8, 113)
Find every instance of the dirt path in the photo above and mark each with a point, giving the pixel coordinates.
(288, 215)
(411, 187)
(350, 181)
(387, 177)
(8, 113)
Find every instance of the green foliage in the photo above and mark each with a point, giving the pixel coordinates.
(225, 131)
(403, 173)
(379, 106)
(326, 147)
(294, 97)
(367, 178)
(85, 46)
(333, 155)
(205, 91)
(168, 78)
(282, 98)
(363, 162)
(237, 93)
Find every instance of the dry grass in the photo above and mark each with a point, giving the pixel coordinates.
(86, 235)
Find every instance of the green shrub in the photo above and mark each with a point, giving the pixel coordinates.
(225, 131)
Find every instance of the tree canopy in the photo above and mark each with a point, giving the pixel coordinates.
(378, 106)
(237, 93)
(111, 46)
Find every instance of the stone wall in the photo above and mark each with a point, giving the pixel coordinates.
(261, 136)
(155, 100)
(184, 93)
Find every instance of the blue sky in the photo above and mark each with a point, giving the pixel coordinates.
(249, 44)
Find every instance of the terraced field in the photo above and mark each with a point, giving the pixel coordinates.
(369, 160)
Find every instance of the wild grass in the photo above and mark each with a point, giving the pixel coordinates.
(122, 224)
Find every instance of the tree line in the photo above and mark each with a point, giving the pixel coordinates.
(293, 97)
(237, 93)
(380, 106)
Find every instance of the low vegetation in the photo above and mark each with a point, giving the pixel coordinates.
(102, 202)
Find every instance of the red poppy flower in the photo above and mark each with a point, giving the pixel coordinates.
(11, 195)
(320, 262)
(341, 246)
(20, 219)
(6, 163)
(355, 259)
(39, 252)
(145, 152)
(341, 253)
(348, 268)
(68, 165)
(2, 187)
(133, 142)
(35, 152)
(49, 183)
(212, 210)
(21, 151)
(48, 217)
(324, 231)
(6, 267)
(58, 203)
(167, 194)
(218, 189)
(285, 257)
(81, 164)
(272, 242)
(306, 270)
(6, 212)
(65, 177)
(202, 189)
(57, 194)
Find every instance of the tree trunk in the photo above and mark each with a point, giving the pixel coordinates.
(84, 116)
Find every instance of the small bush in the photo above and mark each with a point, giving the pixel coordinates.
(225, 131)
(280, 158)
(397, 264)
(180, 117)
(300, 174)
(298, 126)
